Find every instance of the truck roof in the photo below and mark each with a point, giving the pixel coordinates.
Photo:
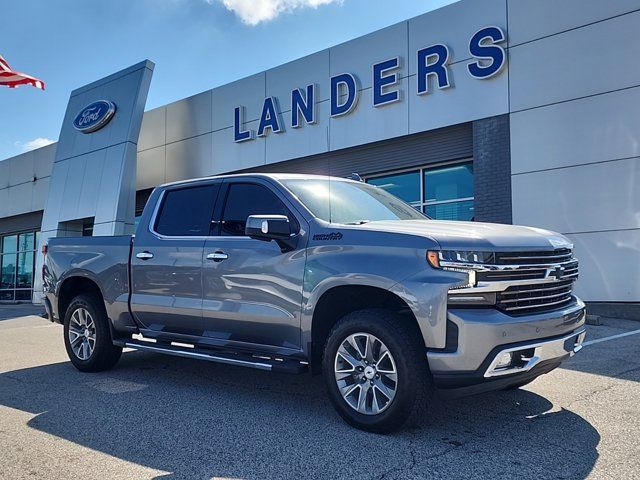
(274, 176)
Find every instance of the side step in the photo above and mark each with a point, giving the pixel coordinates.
(238, 359)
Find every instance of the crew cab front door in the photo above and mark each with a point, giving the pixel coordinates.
(252, 289)
(166, 262)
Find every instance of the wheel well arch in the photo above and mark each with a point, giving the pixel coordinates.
(72, 287)
(339, 301)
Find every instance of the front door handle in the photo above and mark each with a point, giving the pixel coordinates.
(144, 255)
(217, 256)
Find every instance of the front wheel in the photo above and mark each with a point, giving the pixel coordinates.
(375, 370)
(87, 337)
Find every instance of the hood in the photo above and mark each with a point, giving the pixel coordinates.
(475, 235)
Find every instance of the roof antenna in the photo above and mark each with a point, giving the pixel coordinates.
(356, 177)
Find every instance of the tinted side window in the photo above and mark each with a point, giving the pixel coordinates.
(187, 211)
(246, 199)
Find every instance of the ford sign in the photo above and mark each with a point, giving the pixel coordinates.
(94, 116)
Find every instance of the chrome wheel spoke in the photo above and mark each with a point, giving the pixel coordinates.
(82, 333)
(365, 373)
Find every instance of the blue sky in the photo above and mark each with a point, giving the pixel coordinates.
(195, 44)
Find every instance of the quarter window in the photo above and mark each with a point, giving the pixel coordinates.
(187, 212)
(246, 199)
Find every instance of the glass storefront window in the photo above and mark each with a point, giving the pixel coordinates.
(448, 183)
(24, 278)
(443, 192)
(405, 186)
(17, 262)
(8, 269)
(10, 244)
(26, 241)
(451, 211)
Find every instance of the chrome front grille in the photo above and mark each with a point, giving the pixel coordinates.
(559, 255)
(527, 282)
(537, 297)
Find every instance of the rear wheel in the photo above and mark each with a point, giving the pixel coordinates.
(375, 370)
(87, 337)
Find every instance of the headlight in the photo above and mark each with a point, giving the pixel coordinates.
(438, 260)
(461, 256)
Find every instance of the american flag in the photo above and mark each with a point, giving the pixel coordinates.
(12, 79)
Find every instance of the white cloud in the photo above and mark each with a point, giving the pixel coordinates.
(33, 144)
(253, 12)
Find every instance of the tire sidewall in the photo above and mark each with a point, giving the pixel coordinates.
(407, 390)
(103, 336)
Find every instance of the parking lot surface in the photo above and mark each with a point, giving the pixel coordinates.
(165, 417)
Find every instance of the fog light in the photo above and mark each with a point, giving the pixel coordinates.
(504, 360)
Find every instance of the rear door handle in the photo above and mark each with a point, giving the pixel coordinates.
(144, 255)
(217, 256)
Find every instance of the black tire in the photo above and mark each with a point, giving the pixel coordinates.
(105, 354)
(413, 378)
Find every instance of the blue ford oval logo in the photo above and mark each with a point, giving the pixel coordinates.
(94, 116)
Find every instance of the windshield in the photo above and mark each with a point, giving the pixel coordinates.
(339, 201)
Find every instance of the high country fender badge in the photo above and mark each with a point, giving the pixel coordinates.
(328, 236)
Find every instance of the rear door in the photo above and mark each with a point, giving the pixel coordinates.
(252, 290)
(166, 263)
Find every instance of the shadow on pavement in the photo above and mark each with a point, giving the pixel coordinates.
(197, 420)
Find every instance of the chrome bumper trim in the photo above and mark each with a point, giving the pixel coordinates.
(546, 350)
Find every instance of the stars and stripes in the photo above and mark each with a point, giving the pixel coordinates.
(12, 79)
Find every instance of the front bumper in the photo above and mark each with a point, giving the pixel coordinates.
(538, 343)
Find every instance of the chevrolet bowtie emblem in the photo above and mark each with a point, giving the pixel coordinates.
(557, 272)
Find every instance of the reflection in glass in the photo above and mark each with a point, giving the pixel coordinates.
(8, 271)
(10, 244)
(25, 270)
(451, 211)
(6, 294)
(403, 185)
(448, 183)
(26, 241)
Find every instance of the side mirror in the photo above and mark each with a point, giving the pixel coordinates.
(268, 227)
(272, 227)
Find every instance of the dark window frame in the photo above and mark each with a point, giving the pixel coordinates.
(163, 200)
(222, 205)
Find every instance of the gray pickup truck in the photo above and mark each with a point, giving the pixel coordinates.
(294, 273)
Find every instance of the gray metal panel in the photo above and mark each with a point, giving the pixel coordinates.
(358, 55)
(153, 129)
(40, 190)
(467, 99)
(405, 152)
(21, 168)
(151, 167)
(609, 264)
(189, 158)
(20, 198)
(299, 142)
(453, 26)
(530, 20)
(43, 160)
(5, 168)
(587, 130)
(20, 223)
(189, 117)
(368, 124)
(248, 92)
(581, 62)
(313, 68)
(585, 198)
(229, 155)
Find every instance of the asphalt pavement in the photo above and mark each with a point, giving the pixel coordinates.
(165, 417)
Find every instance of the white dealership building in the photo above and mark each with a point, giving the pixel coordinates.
(510, 111)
